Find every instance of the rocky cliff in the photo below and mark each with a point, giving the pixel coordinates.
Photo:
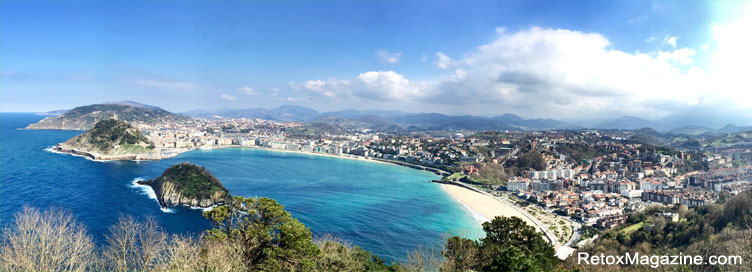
(188, 184)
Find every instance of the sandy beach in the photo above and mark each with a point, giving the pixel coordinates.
(482, 206)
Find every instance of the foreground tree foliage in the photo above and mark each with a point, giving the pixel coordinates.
(267, 236)
(252, 234)
(509, 245)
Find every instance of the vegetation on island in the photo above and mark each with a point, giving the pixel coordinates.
(188, 184)
(191, 180)
(112, 136)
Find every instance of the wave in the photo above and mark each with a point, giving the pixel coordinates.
(52, 149)
(202, 209)
(148, 191)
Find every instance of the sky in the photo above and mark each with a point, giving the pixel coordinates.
(536, 59)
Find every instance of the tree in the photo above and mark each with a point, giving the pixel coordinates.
(134, 245)
(422, 259)
(268, 237)
(509, 245)
(49, 241)
(505, 232)
(460, 254)
(531, 159)
(337, 255)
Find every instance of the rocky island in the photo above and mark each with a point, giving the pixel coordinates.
(188, 184)
(110, 139)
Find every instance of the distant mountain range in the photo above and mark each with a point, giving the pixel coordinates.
(688, 123)
(389, 119)
(691, 123)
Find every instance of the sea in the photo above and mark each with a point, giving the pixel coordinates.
(383, 208)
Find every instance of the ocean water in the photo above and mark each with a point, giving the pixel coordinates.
(383, 208)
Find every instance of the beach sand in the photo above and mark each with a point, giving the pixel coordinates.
(482, 206)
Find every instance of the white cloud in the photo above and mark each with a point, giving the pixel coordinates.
(385, 85)
(560, 73)
(731, 59)
(650, 39)
(324, 87)
(443, 61)
(246, 90)
(227, 97)
(681, 56)
(385, 56)
(670, 40)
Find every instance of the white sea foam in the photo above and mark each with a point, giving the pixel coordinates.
(52, 149)
(203, 209)
(476, 215)
(148, 191)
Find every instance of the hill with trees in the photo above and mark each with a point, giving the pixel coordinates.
(85, 117)
(109, 139)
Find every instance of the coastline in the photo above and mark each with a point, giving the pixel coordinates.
(63, 149)
(434, 171)
(349, 157)
(483, 207)
(490, 207)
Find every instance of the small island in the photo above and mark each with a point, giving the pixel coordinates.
(110, 139)
(190, 185)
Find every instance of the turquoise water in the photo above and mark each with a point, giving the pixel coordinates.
(383, 208)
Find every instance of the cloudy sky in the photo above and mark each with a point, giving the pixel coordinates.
(562, 59)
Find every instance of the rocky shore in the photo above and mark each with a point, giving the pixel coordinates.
(63, 148)
(190, 185)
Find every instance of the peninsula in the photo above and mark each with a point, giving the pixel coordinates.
(110, 139)
(188, 184)
(84, 117)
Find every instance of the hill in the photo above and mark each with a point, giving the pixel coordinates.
(625, 122)
(188, 184)
(84, 117)
(110, 139)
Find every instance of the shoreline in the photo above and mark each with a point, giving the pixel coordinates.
(491, 206)
(93, 156)
(483, 207)
(349, 157)
(434, 171)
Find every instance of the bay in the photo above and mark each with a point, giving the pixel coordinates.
(384, 208)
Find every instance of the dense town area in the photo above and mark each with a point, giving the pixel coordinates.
(566, 179)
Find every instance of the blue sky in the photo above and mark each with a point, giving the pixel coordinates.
(469, 57)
